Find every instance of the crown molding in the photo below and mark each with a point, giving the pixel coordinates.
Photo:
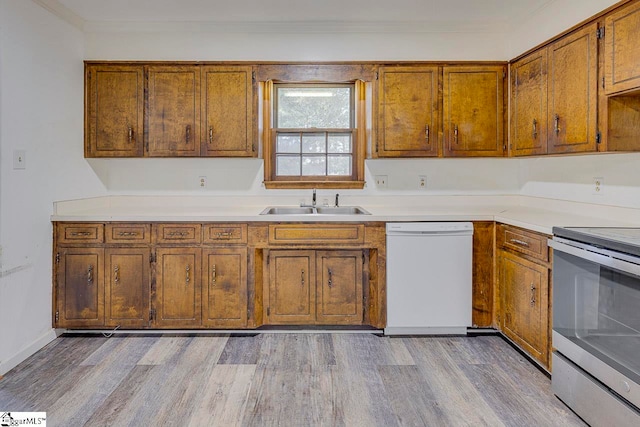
(62, 12)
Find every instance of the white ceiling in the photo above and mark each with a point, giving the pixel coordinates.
(481, 12)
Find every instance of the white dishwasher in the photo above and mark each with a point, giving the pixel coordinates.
(429, 272)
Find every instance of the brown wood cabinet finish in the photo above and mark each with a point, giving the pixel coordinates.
(473, 109)
(173, 111)
(316, 234)
(228, 111)
(622, 49)
(127, 287)
(178, 287)
(573, 92)
(339, 287)
(408, 114)
(80, 286)
(483, 274)
(224, 287)
(529, 105)
(291, 287)
(114, 110)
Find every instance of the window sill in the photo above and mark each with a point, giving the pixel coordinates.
(314, 184)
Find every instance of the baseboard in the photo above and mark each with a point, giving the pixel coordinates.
(26, 352)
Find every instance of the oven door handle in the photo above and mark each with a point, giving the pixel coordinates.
(607, 261)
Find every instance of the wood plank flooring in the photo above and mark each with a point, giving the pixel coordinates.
(275, 379)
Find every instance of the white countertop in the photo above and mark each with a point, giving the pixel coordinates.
(528, 212)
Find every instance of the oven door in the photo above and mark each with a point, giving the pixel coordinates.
(596, 314)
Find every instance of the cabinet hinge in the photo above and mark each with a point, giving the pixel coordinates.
(253, 76)
(600, 33)
(268, 311)
(504, 74)
(268, 258)
(57, 316)
(253, 147)
(376, 75)
(58, 258)
(598, 137)
(363, 258)
(152, 314)
(152, 258)
(603, 82)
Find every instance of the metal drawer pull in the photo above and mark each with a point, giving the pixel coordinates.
(213, 275)
(188, 274)
(178, 233)
(455, 134)
(556, 124)
(520, 242)
(188, 134)
(210, 134)
(302, 277)
(130, 134)
(535, 129)
(224, 235)
(127, 233)
(426, 132)
(90, 274)
(116, 274)
(81, 233)
(533, 295)
(330, 278)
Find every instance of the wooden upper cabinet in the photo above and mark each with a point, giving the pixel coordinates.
(573, 87)
(408, 115)
(114, 110)
(228, 128)
(622, 49)
(529, 105)
(473, 109)
(174, 111)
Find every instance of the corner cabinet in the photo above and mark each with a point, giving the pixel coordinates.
(622, 49)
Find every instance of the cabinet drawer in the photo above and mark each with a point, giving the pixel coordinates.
(316, 234)
(225, 233)
(178, 233)
(80, 233)
(523, 241)
(128, 233)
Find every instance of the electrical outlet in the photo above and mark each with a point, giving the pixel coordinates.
(598, 185)
(19, 159)
(381, 181)
(422, 182)
(202, 182)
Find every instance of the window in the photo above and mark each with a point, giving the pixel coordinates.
(314, 137)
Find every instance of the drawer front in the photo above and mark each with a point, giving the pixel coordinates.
(80, 233)
(225, 233)
(128, 233)
(316, 234)
(523, 241)
(178, 233)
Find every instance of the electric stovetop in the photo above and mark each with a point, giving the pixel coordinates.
(620, 239)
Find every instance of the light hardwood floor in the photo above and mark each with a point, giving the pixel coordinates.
(293, 379)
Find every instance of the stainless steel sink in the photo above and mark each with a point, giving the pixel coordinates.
(320, 210)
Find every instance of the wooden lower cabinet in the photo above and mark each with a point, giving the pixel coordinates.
(314, 287)
(80, 290)
(224, 287)
(127, 287)
(524, 291)
(178, 287)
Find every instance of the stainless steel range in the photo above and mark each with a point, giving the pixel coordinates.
(596, 323)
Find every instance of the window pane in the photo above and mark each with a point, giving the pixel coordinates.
(288, 143)
(339, 165)
(314, 165)
(314, 107)
(340, 143)
(287, 166)
(313, 143)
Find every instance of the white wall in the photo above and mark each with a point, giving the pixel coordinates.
(41, 88)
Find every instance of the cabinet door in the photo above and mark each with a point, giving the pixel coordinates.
(228, 110)
(473, 108)
(622, 49)
(178, 292)
(174, 111)
(408, 115)
(80, 288)
(529, 105)
(525, 303)
(114, 110)
(292, 288)
(127, 287)
(224, 279)
(339, 287)
(573, 87)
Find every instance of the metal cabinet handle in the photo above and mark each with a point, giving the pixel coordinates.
(533, 295)
(556, 124)
(330, 278)
(426, 132)
(81, 233)
(127, 233)
(188, 274)
(130, 134)
(213, 275)
(223, 235)
(178, 233)
(116, 274)
(90, 274)
(302, 277)
(188, 134)
(535, 129)
(210, 134)
(520, 242)
(455, 134)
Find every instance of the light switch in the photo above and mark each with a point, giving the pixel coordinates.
(19, 159)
